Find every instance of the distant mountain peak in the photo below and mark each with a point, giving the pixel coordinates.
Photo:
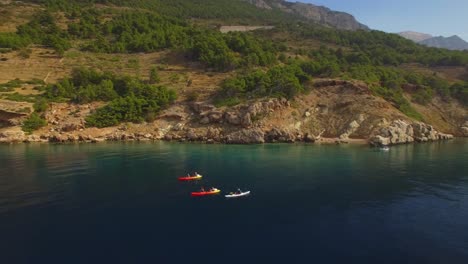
(452, 43)
(415, 36)
(318, 14)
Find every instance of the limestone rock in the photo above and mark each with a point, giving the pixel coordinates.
(464, 129)
(71, 127)
(352, 127)
(309, 138)
(401, 132)
(280, 135)
(12, 136)
(192, 135)
(233, 118)
(214, 134)
(246, 136)
(215, 116)
(246, 120)
(205, 120)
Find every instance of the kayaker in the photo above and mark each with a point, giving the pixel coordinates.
(239, 191)
(202, 189)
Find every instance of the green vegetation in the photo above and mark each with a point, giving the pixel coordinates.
(131, 109)
(154, 76)
(147, 32)
(42, 29)
(11, 85)
(40, 105)
(380, 48)
(235, 11)
(131, 100)
(20, 97)
(460, 91)
(33, 122)
(280, 81)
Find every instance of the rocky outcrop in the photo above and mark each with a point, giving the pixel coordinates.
(260, 4)
(11, 118)
(316, 14)
(12, 136)
(241, 115)
(282, 135)
(246, 136)
(402, 132)
(464, 129)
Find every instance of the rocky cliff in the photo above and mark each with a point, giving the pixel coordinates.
(317, 14)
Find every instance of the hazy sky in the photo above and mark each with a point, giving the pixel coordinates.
(435, 17)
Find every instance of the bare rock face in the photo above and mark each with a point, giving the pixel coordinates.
(464, 129)
(260, 4)
(232, 118)
(246, 120)
(246, 136)
(12, 136)
(402, 132)
(58, 138)
(240, 115)
(352, 127)
(69, 127)
(200, 107)
(280, 135)
(214, 134)
(317, 14)
(309, 138)
(192, 135)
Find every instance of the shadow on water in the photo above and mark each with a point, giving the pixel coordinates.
(121, 202)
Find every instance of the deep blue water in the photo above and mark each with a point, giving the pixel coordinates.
(121, 203)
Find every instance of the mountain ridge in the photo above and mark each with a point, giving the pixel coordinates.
(451, 43)
(318, 14)
(415, 36)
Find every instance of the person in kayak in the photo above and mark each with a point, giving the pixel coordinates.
(202, 189)
(239, 191)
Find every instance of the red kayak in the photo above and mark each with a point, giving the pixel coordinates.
(205, 193)
(190, 178)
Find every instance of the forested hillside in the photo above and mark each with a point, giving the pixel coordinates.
(280, 62)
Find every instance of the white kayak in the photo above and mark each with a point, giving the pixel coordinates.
(235, 195)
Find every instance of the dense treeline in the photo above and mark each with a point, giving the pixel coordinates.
(381, 48)
(235, 11)
(42, 29)
(131, 100)
(136, 32)
(279, 81)
(326, 62)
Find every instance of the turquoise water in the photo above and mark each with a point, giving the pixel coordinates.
(121, 203)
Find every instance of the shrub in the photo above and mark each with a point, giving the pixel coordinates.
(33, 123)
(40, 105)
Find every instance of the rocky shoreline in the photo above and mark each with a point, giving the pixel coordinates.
(335, 112)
